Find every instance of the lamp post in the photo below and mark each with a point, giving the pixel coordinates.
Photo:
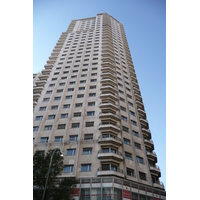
(49, 170)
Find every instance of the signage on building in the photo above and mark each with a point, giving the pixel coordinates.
(75, 192)
(126, 194)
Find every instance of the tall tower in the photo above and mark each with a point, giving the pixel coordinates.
(87, 102)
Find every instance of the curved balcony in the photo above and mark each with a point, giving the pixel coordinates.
(46, 71)
(135, 84)
(105, 51)
(48, 66)
(107, 48)
(108, 75)
(134, 79)
(149, 143)
(108, 69)
(146, 132)
(108, 81)
(53, 57)
(40, 83)
(132, 73)
(110, 154)
(144, 123)
(108, 96)
(155, 170)
(140, 105)
(34, 103)
(107, 59)
(109, 127)
(136, 91)
(36, 97)
(141, 113)
(152, 155)
(108, 105)
(110, 172)
(109, 139)
(51, 61)
(106, 64)
(43, 77)
(108, 88)
(37, 89)
(107, 54)
(109, 115)
(138, 97)
(159, 185)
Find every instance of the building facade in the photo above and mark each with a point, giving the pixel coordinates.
(87, 103)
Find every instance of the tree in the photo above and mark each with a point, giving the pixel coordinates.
(57, 188)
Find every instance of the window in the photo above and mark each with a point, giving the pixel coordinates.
(54, 107)
(90, 113)
(51, 85)
(68, 97)
(47, 127)
(66, 106)
(80, 95)
(64, 77)
(86, 167)
(83, 81)
(42, 108)
(93, 87)
(130, 104)
(58, 139)
(129, 96)
(77, 114)
(128, 156)
(49, 92)
(132, 113)
(125, 129)
(121, 99)
(126, 141)
(72, 82)
(77, 105)
(91, 103)
(71, 152)
(130, 172)
(75, 125)
(43, 139)
(121, 92)
(93, 80)
(81, 88)
(137, 146)
(92, 94)
(61, 126)
(139, 159)
(54, 79)
(38, 117)
(87, 151)
(133, 123)
(68, 168)
(135, 133)
(65, 115)
(70, 89)
(57, 98)
(46, 99)
(51, 117)
(88, 136)
(128, 89)
(124, 118)
(73, 137)
(61, 84)
(83, 75)
(142, 175)
(89, 124)
(35, 128)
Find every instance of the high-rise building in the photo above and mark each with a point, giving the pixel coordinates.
(87, 103)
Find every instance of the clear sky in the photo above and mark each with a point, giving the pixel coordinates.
(145, 27)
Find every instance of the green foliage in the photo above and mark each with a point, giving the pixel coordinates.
(58, 188)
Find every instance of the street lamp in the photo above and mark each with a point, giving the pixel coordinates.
(49, 170)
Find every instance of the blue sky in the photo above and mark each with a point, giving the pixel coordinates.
(145, 27)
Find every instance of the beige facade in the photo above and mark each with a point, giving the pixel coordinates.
(87, 102)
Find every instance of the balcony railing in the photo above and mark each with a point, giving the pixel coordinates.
(111, 169)
(109, 105)
(110, 136)
(109, 114)
(110, 151)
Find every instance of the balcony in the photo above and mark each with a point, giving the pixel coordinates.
(108, 105)
(51, 61)
(36, 97)
(106, 51)
(37, 90)
(159, 185)
(53, 57)
(48, 66)
(134, 79)
(135, 84)
(107, 48)
(141, 113)
(140, 105)
(138, 97)
(107, 55)
(109, 115)
(107, 59)
(34, 103)
(155, 170)
(108, 64)
(110, 154)
(110, 172)
(40, 83)
(144, 123)
(109, 139)
(109, 81)
(132, 73)
(152, 155)
(136, 90)
(43, 77)
(108, 69)
(149, 143)
(146, 132)
(108, 96)
(108, 75)
(108, 88)
(109, 127)
(46, 71)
